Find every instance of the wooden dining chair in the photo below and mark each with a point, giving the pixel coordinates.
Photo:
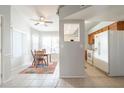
(33, 55)
(44, 50)
(40, 58)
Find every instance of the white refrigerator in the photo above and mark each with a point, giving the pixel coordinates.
(109, 52)
(101, 46)
(101, 51)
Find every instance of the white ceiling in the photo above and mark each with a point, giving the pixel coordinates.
(89, 25)
(93, 15)
(99, 13)
(33, 12)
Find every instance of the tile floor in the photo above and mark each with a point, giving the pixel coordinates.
(94, 78)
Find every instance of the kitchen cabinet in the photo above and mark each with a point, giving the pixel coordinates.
(90, 39)
(113, 26)
(105, 29)
(117, 26)
(91, 36)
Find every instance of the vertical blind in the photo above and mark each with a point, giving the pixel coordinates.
(35, 42)
(51, 44)
(17, 44)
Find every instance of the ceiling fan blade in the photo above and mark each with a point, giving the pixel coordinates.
(35, 20)
(48, 21)
(36, 23)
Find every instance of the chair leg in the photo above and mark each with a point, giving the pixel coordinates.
(45, 62)
(33, 63)
(36, 63)
(41, 61)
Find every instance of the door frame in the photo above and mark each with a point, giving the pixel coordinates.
(1, 65)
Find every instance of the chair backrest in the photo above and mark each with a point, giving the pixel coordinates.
(44, 50)
(33, 53)
(39, 53)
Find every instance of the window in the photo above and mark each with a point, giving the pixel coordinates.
(55, 45)
(51, 44)
(17, 43)
(71, 32)
(35, 42)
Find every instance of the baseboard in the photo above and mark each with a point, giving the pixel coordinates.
(72, 76)
(5, 81)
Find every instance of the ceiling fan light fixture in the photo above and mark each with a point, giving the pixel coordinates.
(42, 22)
(42, 18)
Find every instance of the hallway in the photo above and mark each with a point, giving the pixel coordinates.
(94, 78)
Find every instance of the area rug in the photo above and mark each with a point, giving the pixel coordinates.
(41, 69)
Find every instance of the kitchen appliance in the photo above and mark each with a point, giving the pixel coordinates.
(101, 46)
(90, 56)
(101, 51)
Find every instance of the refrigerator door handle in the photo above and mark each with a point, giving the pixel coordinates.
(95, 49)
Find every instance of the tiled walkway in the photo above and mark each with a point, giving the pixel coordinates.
(34, 80)
(94, 78)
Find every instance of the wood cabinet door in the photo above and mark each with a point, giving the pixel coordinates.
(105, 29)
(90, 39)
(113, 26)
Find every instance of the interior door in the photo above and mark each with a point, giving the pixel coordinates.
(0, 53)
(71, 48)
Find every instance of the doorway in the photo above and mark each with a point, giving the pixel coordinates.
(27, 36)
(23, 78)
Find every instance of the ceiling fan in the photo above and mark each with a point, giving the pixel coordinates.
(42, 20)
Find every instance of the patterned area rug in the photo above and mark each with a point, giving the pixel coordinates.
(41, 69)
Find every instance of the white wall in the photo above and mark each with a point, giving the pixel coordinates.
(19, 24)
(70, 9)
(86, 38)
(116, 53)
(0, 49)
(6, 49)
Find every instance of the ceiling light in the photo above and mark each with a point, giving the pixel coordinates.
(42, 18)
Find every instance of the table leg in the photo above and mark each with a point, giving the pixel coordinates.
(47, 60)
(50, 58)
